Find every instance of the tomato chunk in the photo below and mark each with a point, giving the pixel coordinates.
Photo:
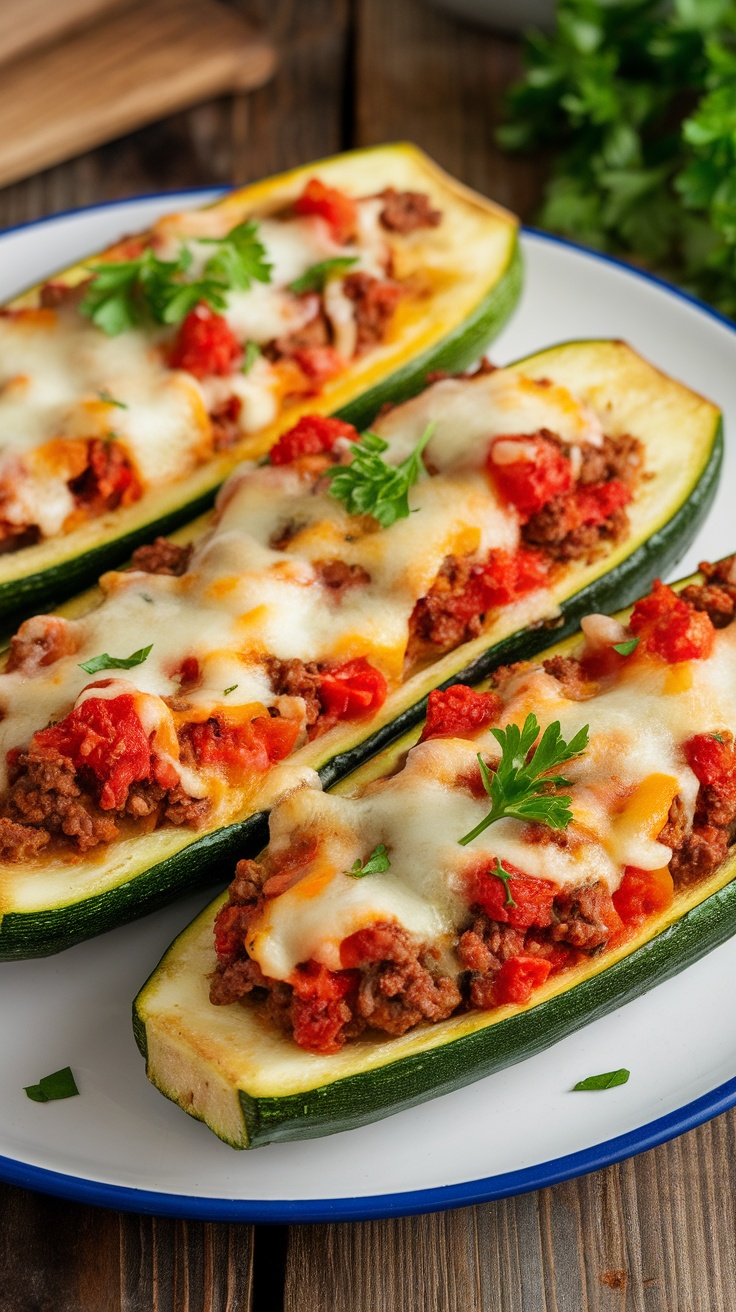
(103, 735)
(598, 501)
(311, 436)
(352, 690)
(642, 893)
(669, 627)
(109, 479)
(518, 978)
(231, 926)
(251, 746)
(319, 1010)
(508, 575)
(533, 897)
(206, 344)
(711, 759)
(532, 480)
(335, 207)
(453, 712)
(319, 363)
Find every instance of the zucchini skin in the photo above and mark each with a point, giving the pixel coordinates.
(208, 860)
(21, 597)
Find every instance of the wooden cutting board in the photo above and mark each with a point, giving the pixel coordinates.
(28, 23)
(135, 64)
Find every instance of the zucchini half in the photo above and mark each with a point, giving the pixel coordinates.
(60, 902)
(252, 1085)
(475, 276)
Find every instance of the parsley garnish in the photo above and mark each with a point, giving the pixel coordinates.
(718, 737)
(112, 400)
(504, 876)
(105, 662)
(608, 1080)
(53, 1087)
(251, 353)
(521, 790)
(315, 278)
(607, 97)
(369, 486)
(626, 648)
(377, 862)
(124, 293)
(232, 688)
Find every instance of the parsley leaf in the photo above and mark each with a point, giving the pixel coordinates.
(315, 278)
(251, 353)
(377, 862)
(370, 486)
(123, 294)
(227, 691)
(112, 400)
(626, 648)
(521, 789)
(105, 662)
(504, 876)
(52, 1088)
(608, 1080)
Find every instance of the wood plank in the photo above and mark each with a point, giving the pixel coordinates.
(134, 66)
(27, 24)
(654, 1234)
(62, 1256)
(424, 77)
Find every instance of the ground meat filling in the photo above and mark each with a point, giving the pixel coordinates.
(406, 211)
(441, 617)
(717, 595)
(295, 678)
(162, 557)
(375, 301)
(555, 527)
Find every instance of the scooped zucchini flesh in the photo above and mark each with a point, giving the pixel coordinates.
(62, 901)
(473, 279)
(252, 1085)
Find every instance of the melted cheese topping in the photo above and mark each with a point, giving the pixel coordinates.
(622, 789)
(243, 598)
(56, 366)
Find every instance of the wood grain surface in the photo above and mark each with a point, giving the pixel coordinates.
(654, 1234)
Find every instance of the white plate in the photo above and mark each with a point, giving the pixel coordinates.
(120, 1144)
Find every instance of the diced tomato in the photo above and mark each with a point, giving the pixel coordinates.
(518, 978)
(339, 211)
(109, 479)
(231, 925)
(598, 501)
(508, 575)
(319, 363)
(319, 1010)
(641, 893)
(352, 690)
(669, 627)
(205, 344)
(533, 897)
(530, 483)
(311, 436)
(189, 671)
(453, 712)
(103, 735)
(254, 745)
(711, 759)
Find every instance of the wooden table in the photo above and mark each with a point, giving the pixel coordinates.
(655, 1234)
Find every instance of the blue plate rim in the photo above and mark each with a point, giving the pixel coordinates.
(441, 1197)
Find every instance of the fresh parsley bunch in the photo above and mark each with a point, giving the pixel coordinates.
(124, 293)
(370, 486)
(637, 99)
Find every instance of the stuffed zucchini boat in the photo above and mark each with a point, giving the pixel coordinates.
(132, 384)
(145, 732)
(473, 896)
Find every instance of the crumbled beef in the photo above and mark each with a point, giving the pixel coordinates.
(582, 917)
(181, 809)
(162, 557)
(441, 617)
(375, 301)
(55, 294)
(405, 211)
(704, 848)
(20, 842)
(717, 595)
(675, 829)
(569, 673)
(338, 576)
(316, 332)
(225, 426)
(230, 983)
(394, 996)
(488, 943)
(295, 678)
(618, 457)
(39, 642)
(45, 792)
(550, 529)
